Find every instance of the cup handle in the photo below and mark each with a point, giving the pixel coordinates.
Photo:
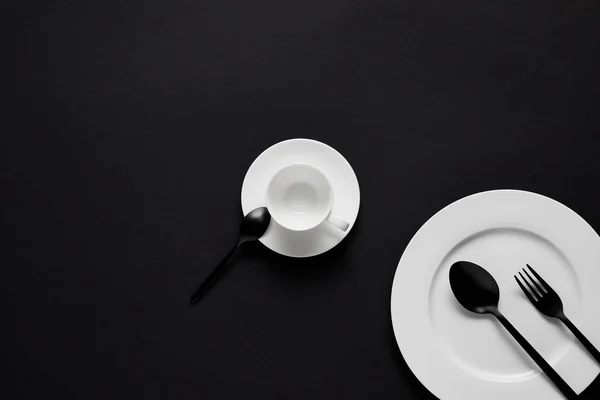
(337, 222)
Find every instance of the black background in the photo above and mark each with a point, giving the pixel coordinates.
(127, 128)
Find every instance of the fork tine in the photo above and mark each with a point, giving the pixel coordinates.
(529, 295)
(539, 278)
(533, 291)
(538, 286)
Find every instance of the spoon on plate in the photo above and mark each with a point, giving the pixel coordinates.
(477, 291)
(253, 226)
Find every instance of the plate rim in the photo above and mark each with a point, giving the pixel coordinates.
(397, 324)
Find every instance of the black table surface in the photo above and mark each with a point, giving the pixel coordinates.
(126, 130)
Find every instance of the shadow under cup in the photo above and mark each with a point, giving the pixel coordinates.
(299, 197)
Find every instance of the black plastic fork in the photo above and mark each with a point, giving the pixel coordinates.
(547, 301)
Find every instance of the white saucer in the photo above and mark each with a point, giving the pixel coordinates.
(337, 170)
(458, 355)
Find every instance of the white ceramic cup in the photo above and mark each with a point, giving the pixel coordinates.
(299, 197)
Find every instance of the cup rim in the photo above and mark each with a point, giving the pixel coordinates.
(329, 206)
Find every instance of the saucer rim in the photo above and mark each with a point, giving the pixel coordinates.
(356, 203)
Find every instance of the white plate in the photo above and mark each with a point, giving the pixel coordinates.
(459, 355)
(337, 170)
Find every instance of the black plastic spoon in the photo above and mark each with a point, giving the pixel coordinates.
(254, 225)
(477, 291)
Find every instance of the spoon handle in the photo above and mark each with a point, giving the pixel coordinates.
(214, 276)
(548, 370)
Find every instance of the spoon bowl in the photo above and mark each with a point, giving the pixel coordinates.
(474, 287)
(255, 224)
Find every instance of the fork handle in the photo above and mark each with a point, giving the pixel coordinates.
(584, 341)
(537, 357)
